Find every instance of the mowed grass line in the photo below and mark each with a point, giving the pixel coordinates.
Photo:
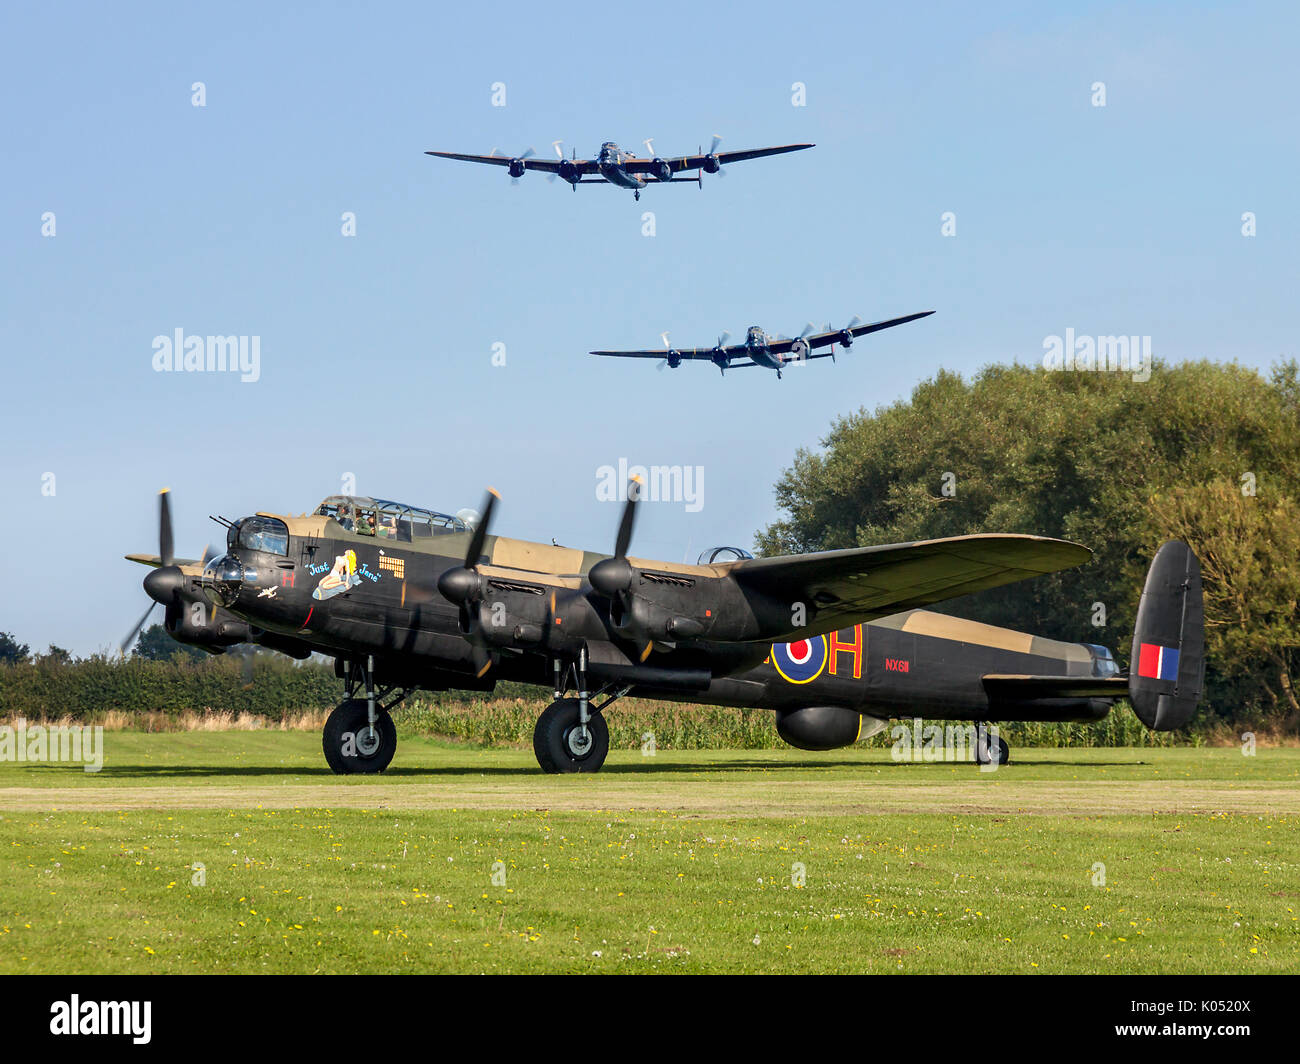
(286, 770)
(598, 877)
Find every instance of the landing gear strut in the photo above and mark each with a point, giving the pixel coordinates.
(990, 747)
(571, 735)
(637, 195)
(359, 735)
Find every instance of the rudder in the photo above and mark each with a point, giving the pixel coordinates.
(1167, 669)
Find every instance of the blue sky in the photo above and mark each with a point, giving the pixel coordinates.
(376, 350)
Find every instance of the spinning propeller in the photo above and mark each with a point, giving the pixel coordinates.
(466, 586)
(712, 164)
(720, 358)
(516, 168)
(612, 577)
(165, 583)
(672, 358)
(559, 154)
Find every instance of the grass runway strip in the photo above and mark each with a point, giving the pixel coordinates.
(469, 860)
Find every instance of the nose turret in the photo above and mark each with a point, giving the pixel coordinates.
(223, 578)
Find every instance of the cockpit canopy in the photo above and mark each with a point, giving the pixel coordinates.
(723, 554)
(386, 519)
(268, 534)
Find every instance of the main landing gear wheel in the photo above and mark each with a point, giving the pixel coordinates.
(997, 750)
(563, 744)
(351, 745)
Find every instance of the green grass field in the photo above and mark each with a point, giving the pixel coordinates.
(468, 860)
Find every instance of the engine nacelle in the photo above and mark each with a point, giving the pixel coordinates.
(819, 727)
(199, 624)
(661, 169)
(498, 623)
(711, 164)
(636, 617)
(846, 338)
(517, 168)
(569, 172)
(524, 617)
(674, 359)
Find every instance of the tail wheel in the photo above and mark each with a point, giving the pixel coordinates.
(351, 745)
(563, 744)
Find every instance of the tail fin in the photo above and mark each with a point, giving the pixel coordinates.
(1167, 670)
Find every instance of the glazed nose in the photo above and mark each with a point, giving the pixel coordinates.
(223, 577)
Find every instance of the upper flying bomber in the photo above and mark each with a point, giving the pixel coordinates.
(770, 352)
(834, 643)
(622, 168)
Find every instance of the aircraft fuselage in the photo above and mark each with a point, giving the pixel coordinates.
(351, 595)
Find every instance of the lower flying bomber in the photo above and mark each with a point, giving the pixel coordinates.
(770, 352)
(621, 168)
(835, 643)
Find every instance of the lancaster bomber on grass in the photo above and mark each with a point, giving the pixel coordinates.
(770, 352)
(620, 168)
(835, 643)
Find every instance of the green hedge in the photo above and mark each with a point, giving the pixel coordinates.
(87, 689)
(97, 685)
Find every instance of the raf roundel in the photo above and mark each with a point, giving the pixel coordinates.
(801, 661)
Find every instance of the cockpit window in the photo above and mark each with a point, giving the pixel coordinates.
(265, 534)
(384, 519)
(723, 554)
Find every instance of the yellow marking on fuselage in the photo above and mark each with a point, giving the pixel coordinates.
(941, 626)
(535, 557)
(921, 622)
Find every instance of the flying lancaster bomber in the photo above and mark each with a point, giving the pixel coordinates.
(835, 643)
(621, 168)
(770, 352)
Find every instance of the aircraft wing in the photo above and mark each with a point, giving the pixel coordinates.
(548, 166)
(826, 339)
(646, 166)
(155, 562)
(695, 162)
(845, 587)
(702, 354)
